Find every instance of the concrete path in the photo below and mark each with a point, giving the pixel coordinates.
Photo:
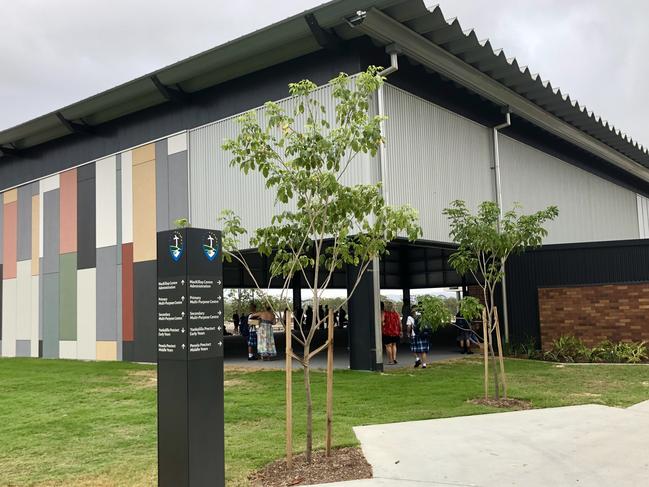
(588, 445)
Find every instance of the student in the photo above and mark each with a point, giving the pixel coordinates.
(265, 337)
(252, 333)
(236, 321)
(464, 336)
(419, 344)
(391, 329)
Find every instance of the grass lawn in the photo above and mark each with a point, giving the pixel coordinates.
(94, 424)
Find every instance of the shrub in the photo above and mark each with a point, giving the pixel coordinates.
(621, 352)
(568, 348)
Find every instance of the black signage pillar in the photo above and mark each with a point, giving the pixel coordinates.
(190, 359)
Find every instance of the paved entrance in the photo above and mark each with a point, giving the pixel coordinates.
(588, 445)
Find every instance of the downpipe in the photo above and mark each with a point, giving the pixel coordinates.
(499, 202)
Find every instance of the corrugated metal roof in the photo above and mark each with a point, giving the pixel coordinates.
(292, 38)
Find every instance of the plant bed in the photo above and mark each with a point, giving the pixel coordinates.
(344, 464)
(509, 403)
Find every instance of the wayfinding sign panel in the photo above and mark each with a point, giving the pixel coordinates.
(190, 358)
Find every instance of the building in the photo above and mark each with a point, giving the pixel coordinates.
(85, 188)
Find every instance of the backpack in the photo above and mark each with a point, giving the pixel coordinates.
(420, 331)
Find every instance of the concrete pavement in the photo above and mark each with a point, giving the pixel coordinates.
(589, 445)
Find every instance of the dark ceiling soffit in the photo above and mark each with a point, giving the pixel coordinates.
(169, 93)
(74, 127)
(325, 38)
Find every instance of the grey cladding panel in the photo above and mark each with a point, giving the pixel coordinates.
(107, 293)
(86, 217)
(2, 215)
(25, 194)
(23, 348)
(51, 229)
(178, 187)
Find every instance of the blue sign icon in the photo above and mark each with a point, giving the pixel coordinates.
(176, 247)
(210, 246)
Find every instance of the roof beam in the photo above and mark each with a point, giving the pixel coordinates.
(379, 26)
(169, 93)
(325, 38)
(73, 127)
(8, 151)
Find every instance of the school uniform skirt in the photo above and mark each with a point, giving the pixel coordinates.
(419, 344)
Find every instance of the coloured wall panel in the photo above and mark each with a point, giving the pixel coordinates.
(24, 300)
(86, 217)
(2, 216)
(36, 232)
(10, 196)
(118, 208)
(34, 334)
(68, 237)
(106, 350)
(177, 143)
(40, 306)
(68, 349)
(162, 185)
(145, 311)
(51, 237)
(50, 304)
(24, 246)
(9, 315)
(127, 196)
(45, 185)
(23, 348)
(178, 187)
(143, 154)
(9, 222)
(144, 212)
(127, 292)
(106, 208)
(86, 314)
(107, 293)
(68, 297)
(0, 305)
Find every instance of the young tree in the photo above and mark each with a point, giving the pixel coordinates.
(485, 242)
(321, 224)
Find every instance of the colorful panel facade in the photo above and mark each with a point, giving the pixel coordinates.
(77, 255)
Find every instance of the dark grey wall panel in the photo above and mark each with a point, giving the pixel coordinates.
(568, 265)
(119, 311)
(1, 299)
(23, 348)
(2, 215)
(51, 231)
(203, 107)
(162, 185)
(107, 293)
(50, 305)
(178, 187)
(40, 299)
(24, 250)
(145, 311)
(86, 217)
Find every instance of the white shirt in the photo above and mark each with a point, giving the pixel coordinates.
(411, 323)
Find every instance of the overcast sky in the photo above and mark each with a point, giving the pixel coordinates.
(53, 53)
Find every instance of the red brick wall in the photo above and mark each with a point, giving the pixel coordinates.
(617, 312)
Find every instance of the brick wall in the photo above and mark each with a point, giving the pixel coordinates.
(617, 312)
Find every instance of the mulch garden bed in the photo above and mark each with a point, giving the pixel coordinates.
(344, 464)
(503, 403)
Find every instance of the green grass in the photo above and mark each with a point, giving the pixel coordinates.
(94, 424)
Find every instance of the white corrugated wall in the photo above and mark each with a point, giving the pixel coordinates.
(590, 208)
(215, 186)
(434, 156)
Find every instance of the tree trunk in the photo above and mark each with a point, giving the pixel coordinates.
(494, 366)
(309, 410)
(330, 382)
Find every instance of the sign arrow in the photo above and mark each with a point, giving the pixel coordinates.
(182, 282)
(182, 298)
(183, 346)
(218, 328)
(218, 282)
(182, 330)
(220, 344)
(182, 313)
